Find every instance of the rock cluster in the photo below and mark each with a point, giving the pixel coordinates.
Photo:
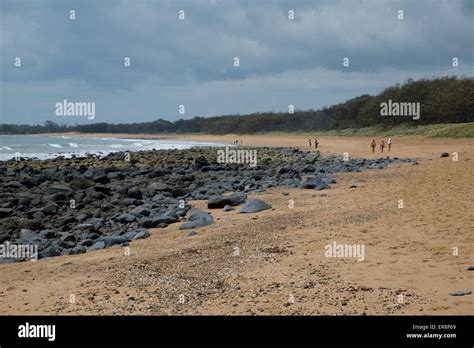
(70, 206)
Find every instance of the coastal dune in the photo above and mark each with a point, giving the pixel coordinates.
(275, 261)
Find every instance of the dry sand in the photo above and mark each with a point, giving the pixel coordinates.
(273, 262)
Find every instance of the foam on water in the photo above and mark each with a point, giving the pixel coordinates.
(41, 147)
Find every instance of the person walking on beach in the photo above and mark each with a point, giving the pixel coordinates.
(372, 145)
(389, 143)
(309, 140)
(316, 143)
(382, 145)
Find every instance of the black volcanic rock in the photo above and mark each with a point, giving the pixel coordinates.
(220, 201)
(117, 198)
(196, 219)
(254, 206)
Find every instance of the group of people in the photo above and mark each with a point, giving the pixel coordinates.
(373, 145)
(316, 143)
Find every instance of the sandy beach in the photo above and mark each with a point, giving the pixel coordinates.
(273, 262)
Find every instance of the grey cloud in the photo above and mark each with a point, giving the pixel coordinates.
(84, 58)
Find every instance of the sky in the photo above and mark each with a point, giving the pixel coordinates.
(190, 61)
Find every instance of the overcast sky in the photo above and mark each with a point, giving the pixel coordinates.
(191, 61)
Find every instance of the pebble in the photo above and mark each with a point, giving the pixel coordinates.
(461, 292)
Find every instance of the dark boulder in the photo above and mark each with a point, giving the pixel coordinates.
(157, 172)
(134, 192)
(178, 192)
(93, 194)
(196, 219)
(51, 209)
(68, 240)
(78, 249)
(48, 234)
(125, 218)
(141, 211)
(101, 178)
(254, 206)
(323, 186)
(220, 201)
(166, 218)
(97, 246)
(50, 251)
(142, 234)
(13, 185)
(103, 188)
(312, 182)
(96, 223)
(60, 188)
(30, 237)
(80, 183)
(200, 162)
(287, 170)
(82, 217)
(4, 212)
(111, 240)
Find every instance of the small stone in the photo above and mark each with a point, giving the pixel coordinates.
(228, 208)
(461, 292)
(344, 301)
(192, 233)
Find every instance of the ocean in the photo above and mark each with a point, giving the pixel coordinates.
(45, 147)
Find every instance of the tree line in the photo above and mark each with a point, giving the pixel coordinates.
(442, 100)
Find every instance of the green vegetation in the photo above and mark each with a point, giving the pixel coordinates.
(446, 109)
(458, 130)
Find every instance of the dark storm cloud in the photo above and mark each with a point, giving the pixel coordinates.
(191, 61)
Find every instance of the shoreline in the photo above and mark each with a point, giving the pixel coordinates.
(358, 146)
